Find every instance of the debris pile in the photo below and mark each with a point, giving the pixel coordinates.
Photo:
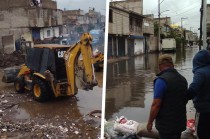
(14, 59)
(41, 131)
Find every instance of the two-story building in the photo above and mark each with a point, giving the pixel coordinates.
(33, 23)
(125, 37)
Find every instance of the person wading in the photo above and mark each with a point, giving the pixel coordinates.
(169, 104)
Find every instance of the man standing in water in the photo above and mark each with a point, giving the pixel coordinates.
(199, 91)
(169, 104)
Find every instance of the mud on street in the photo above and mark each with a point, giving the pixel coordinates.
(68, 117)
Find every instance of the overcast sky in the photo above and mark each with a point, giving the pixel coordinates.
(178, 9)
(189, 9)
(99, 5)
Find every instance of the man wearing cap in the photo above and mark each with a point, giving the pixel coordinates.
(169, 103)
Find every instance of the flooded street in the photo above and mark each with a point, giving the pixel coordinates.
(130, 84)
(67, 117)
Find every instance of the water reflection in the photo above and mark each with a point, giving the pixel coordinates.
(130, 83)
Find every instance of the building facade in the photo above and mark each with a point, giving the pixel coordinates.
(77, 22)
(165, 23)
(148, 32)
(21, 19)
(125, 36)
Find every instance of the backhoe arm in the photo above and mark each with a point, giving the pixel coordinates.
(71, 57)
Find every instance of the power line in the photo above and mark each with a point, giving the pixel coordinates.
(184, 12)
(187, 7)
(162, 1)
(173, 4)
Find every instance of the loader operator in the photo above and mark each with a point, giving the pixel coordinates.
(169, 103)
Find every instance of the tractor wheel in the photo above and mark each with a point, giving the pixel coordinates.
(40, 90)
(19, 84)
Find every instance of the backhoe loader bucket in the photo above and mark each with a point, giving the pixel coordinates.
(10, 74)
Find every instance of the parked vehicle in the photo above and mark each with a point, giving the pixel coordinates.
(168, 44)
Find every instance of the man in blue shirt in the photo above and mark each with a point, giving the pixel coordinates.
(169, 103)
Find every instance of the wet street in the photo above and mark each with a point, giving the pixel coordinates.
(130, 84)
(22, 117)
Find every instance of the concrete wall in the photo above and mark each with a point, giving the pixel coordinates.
(136, 26)
(138, 46)
(15, 32)
(148, 24)
(8, 44)
(49, 4)
(120, 24)
(20, 17)
(13, 18)
(153, 43)
(6, 4)
(130, 5)
(44, 17)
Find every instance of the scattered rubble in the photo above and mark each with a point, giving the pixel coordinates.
(14, 59)
(39, 126)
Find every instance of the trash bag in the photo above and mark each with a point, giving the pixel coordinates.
(187, 134)
(127, 127)
(109, 131)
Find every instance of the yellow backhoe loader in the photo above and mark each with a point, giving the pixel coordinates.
(51, 69)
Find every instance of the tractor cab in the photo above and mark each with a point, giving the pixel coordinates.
(47, 57)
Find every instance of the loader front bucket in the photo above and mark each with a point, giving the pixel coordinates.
(10, 74)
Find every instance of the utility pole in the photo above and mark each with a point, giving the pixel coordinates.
(201, 21)
(182, 32)
(204, 24)
(182, 20)
(159, 47)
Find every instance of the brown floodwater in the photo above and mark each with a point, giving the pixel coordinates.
(59, 111)
(129, 88)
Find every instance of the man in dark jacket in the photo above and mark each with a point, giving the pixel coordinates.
(169, 104)
(199, 91)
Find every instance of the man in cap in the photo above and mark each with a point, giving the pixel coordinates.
(169, 103)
